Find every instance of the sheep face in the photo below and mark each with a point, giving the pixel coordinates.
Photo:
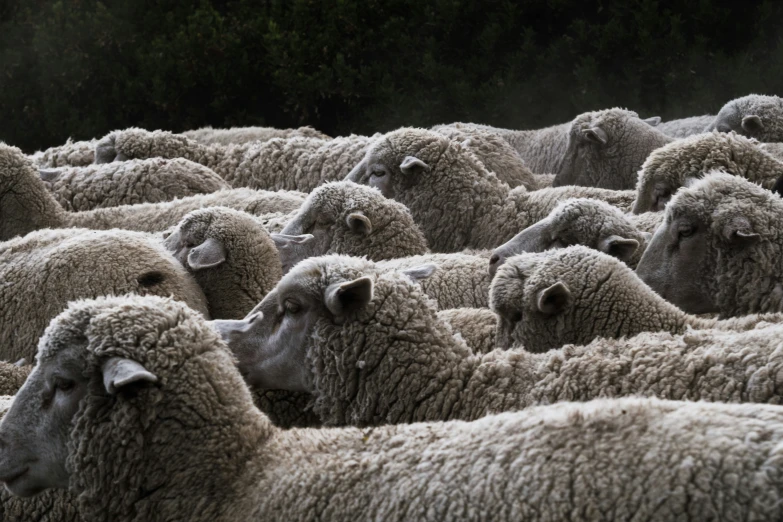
(190, 246)
(34, 434)
(574, 222)
(753, 116)
(709, 230)
(607, 148)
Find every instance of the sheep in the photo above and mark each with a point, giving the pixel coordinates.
(684, 127)
(12, 376)
(718, 249)
(237, 135)
(574, 295)
(232, 258)
(476, 326)
(136, 438)
(72, 154)
(756, 116)
(579, 221)
(26, 205)
(497, 155)
(138, 181)
(606, 149)
(456, 201)
(346, 218)
(680, 163)
(276, 164)
(371, 350)
(42, 271)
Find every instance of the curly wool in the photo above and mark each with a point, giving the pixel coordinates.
(12, 377)
(130, 182)
(607, 299)
(42, 271)
(276, 164)
(542, 150)
(458, 203)
(360, 474)
(71, 154)
(674, 165)
(459, 281)
(394, 233)
(251, 268)
(26, 205)
(476, 326)
(495, 153)
(684, 127)
(238, 135)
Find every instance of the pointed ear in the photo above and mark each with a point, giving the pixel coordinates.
(208, 254)
(653, 121)
(119, 372)
(359, 223)
(554, 299)
(49, 174)
(342, 298)
(739, 232)
(622, 248)
(421, 272)
(413, 165)
(596, 135)
(285, 240)
(752, 124)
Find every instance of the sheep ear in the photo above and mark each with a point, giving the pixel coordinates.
(119, 372)
(359, 223)
(596, 135)
(653, 121)
(752, 124)
(285, 240)
(208, 254)
(413, 165)
(620, 247)
(554, 299)
(421, 272)
(49, 174)
(342, 298)
(739, 232)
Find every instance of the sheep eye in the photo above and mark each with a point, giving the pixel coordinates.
(291, 307)
(64, 385)
(686, 231)
(515, 317)
(378, 173)
(558, 243)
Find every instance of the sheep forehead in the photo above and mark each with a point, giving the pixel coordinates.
(606, 119)
(315, 274)
(757, 103)
(11, 159)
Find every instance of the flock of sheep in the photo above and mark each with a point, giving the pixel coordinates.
(581, 322)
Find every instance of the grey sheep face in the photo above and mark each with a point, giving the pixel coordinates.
(35, 433)
(607, 148)
(271, 344)
(708, 229)
(188, 244)
(580, 221)
(754, 116)
(351, 219)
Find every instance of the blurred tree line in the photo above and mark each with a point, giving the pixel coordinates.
(81, 68)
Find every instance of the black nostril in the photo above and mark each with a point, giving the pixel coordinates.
(494, 259)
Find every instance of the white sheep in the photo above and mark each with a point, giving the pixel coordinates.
(719, 249)
(476, 326)
(129, 182)
(137, 437)
(276, 164)
(26, 205)
(237, 135)
(577, 294)
(755, 115)
(44, 270)
(684, 127)
(683, 161)
(451, 195)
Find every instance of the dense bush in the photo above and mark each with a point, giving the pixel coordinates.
(81, 67)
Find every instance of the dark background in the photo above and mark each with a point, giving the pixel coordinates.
(81, 68)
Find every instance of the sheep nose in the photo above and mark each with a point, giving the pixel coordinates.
(494, 262)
